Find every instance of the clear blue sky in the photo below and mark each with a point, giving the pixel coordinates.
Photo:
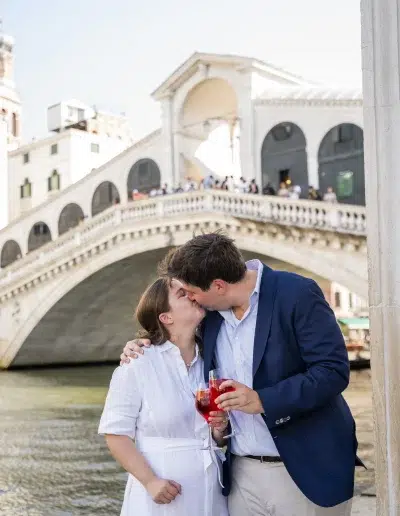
(113, 53)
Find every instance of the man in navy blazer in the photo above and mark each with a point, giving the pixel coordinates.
(294, 446)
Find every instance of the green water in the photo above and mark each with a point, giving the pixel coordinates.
(53, 463)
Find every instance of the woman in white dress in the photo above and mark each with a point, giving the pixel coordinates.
(173, 470)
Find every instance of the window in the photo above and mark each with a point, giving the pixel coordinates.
(14, 126)
(144, 173)
(26, 189)
(95, 147)
(345, 184)
(284, 176)
(26, 158)
(53, 182)
(71, 112)
(54, 149)
(40, 229)
(337, 299)
(282, 132)
(345, 133)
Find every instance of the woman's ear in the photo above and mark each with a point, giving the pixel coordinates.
(165, 318)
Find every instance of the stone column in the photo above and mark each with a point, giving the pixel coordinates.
(312, 162)
(168, 170)
(3, 172)
(381, 78)
(247, 131)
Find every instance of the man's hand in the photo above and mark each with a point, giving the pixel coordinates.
(242, 398)
(219, 420)
(219, 423)
(163, 491)
(133, 349)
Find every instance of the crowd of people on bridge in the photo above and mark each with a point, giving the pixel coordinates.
(242, 186)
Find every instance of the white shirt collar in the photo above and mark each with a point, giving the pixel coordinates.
(168, 345)
(251, 265)
(256, 265)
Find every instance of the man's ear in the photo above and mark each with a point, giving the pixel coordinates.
(220, 286)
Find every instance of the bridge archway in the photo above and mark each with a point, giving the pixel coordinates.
(209, 124)
(39, 235)
(109, 298)
(284, 156)
(117, 266)
(105, 195)
(341, 163)
(71, 215)
(10, 252)
(144, 176)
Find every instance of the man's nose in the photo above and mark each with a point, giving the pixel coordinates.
(190, 296)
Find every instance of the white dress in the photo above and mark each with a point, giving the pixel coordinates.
(152, 400)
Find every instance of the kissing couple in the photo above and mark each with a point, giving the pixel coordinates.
(279, 438)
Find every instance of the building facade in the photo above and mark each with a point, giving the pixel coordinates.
(10, 118)
(239, 116)
(345, 303)
(82, 141)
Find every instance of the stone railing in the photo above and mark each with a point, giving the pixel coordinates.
(269, 209)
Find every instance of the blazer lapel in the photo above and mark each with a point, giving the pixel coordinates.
(212, 324)
(264, 315)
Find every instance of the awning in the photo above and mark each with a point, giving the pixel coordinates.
(355, 323)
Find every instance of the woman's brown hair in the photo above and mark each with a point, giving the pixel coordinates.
(154, 301)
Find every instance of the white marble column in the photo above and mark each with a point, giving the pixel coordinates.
(168, 172)
(3, 173)
(247, 131)
(381, 78)
(312, 163)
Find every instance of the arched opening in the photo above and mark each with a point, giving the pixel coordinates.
(284, 157)
(71, 216)
(39, 235)
(69, 331)
(105, 195)
(10, 252)
(144, 176)
(341, 163)
(210, 125)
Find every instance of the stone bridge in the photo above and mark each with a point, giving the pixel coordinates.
(71, 300)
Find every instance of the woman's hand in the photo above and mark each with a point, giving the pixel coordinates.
(133, 349)
(163, 491)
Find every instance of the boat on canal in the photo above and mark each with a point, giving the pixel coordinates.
(358, 342)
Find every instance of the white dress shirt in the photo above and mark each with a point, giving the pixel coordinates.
(234, 353)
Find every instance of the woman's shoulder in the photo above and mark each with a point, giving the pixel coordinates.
(134, 372)
(142, 361)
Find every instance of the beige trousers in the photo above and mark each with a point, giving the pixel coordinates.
(266, 489)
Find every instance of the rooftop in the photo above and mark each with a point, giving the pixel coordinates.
(312, 93)
(190, 66)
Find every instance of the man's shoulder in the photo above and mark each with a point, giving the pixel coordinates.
(291, 280)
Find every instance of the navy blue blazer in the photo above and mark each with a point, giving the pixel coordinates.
(300, 368)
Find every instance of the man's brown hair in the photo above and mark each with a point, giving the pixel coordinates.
(204, 259)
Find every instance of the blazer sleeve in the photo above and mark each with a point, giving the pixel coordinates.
(325, 356)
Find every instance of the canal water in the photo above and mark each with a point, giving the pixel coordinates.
(53, 463)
